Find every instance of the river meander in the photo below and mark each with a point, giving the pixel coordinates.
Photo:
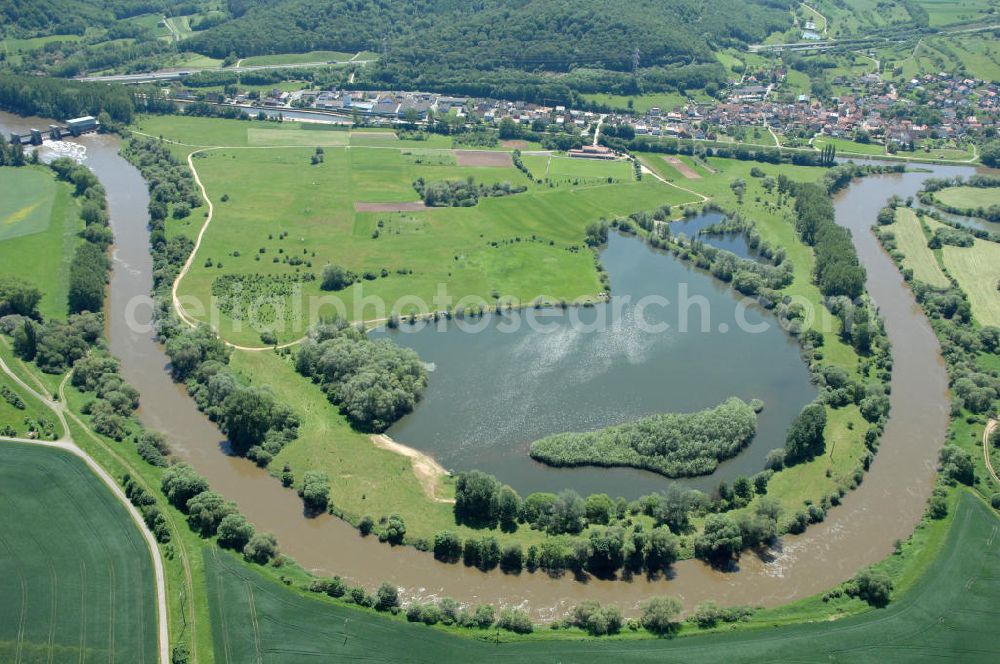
(858, 532)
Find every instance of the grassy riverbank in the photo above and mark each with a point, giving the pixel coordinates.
(39, 222)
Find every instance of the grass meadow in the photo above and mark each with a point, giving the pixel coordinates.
(949, 603)
(75, 573)
(969, 197)
(33, 417)
(849, 147)
(977, 270)
(296, 58)
(280, 208)
(39, 222)
(911, 240)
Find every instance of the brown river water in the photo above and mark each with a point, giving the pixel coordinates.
(859, 532)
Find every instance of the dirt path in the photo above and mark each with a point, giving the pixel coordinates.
(66, 444)
(648, 171)
(990, 426)
(428, 471)
(682, 168)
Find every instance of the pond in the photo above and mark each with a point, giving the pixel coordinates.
(672, 339)
(735, 243)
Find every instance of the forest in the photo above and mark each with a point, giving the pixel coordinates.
(436, 44)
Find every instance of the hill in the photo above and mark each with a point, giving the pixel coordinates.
(587, 44)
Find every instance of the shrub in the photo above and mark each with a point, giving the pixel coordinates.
(872, 586)
(805, 437)
(721, 539)
(956, 465)
(315, 491)
(181, 483)
(386, 597)
(261, 549)
(597, 620)
(447, 547)
(515, 620)
(235, 532)
(394, 530)
(658, 615)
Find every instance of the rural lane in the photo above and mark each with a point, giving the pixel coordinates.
(990, 426)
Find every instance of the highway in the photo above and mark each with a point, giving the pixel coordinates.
(175, 75)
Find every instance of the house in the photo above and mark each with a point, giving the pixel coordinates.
(84, 125)
(593, 152)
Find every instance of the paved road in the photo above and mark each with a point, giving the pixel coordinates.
(182, 73)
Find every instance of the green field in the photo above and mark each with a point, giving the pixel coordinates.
(948, 12)
(257, 136)
(912, 242)
(75, 573)
(969, 197)
(296, 58)
(948, 613)
(277, 191)
(665, 101)
(849, 147)
(977, 270)
(31, 421)
(37, 215)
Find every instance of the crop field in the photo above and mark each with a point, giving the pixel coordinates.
(948, 12)
(919, 257)
(969, 197)
(949, 612)
(977, 270)
(257, 137)
(75, 573)
(303, 217)
(38, 214)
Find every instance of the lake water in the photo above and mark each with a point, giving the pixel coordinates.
(505, 382)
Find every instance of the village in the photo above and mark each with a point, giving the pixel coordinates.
(940, 109)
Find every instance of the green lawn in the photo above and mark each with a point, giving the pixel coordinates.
(75, 573)
(977, 270)
(969, 197)
(39, 222)
(911, 240)
(948, 612)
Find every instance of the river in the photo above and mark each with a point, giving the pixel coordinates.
(859, 532)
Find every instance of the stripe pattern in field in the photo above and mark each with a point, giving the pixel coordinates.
(977, 269)
(483, 158)
(950, 614)
(76, 581)
(910, 240)
(258, 137)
